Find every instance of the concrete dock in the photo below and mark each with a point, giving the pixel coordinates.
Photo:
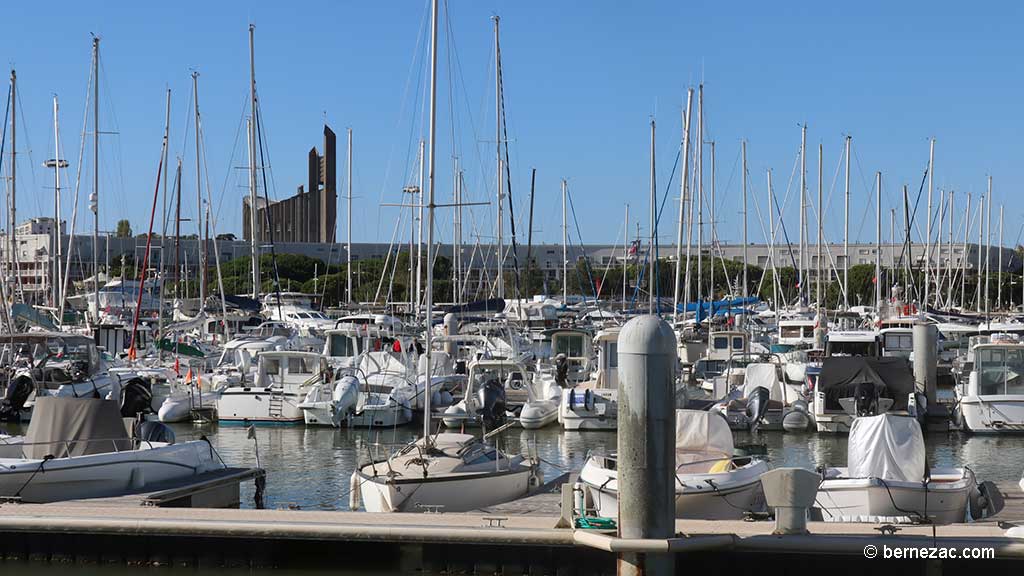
(515, 538)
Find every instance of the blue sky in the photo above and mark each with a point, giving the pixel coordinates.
(582, 79)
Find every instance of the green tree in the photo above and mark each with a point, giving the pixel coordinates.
(124, 229)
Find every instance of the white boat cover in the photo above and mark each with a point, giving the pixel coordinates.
(704, 433)
(65, 427)
(886, 446)
(763, 375)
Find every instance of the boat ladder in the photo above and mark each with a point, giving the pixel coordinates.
(276, 408)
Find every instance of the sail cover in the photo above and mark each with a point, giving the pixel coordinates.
(62, 427)
(700, 432)
(886, 446)
(840, 376)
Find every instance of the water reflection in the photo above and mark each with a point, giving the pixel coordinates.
(309, 468)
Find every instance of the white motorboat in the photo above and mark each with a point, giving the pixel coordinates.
(541, 407)
(485, 400)
(852, 386)
(593, 405)
(79, 448)
(283, 378)
(887, 480)
(765, 403)
(450, 472)
(711, 483)
(991, 401)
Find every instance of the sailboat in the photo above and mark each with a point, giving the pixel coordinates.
(445, 471)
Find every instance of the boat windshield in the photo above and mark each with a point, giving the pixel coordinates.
(1000, 371)
(344, 346)
(852, 348)
(569, 344)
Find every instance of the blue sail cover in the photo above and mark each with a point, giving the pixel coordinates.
(731, 306)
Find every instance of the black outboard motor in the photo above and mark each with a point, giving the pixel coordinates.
(153, 431)
(757, 407)
(136, 398)
(492, 402)
(18, 392)
(865, 398)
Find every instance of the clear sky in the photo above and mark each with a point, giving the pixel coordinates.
(582, 80)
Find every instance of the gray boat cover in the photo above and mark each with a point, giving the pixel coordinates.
(65, 427)
(886, 446)
(840, 376)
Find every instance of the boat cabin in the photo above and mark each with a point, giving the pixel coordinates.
(726, 344)
(577, 346)
(607, 343)
(289, 370)
(852, 343)
(896, 341)
(796, 331)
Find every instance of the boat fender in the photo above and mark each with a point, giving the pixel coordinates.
(353, 492)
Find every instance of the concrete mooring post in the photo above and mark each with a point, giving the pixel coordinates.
(925, 339)
(646, 461)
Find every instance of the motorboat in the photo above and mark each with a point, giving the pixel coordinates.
(991, 401)
(711, 482)
(283, 378)
(593, 405)
(852, 386)
(485, 402)
(765, 403)
(447, 472)
(78, 448)
(887, 480)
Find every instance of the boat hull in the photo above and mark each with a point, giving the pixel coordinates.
(446, 493)
(871, 499)
(1001, 414)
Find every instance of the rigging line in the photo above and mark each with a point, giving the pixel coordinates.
(871, 197)
(266, 212)
(234, 148)
(28, 150)
(508, 180)
(586, 261)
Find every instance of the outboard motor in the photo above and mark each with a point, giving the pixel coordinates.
(492, 404)
(757, 407)
(136, 398)
(344, 399)
(18, 392)
(153, 431)
(865, 399)
(798, 419)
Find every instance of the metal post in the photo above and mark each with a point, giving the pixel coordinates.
(846, 232)
(652, 282)
(878, 240)
(253, 220)
(646, 465)
(928, 226)
(925, 350)
(565, 252)
(683, 181)
(348, 249)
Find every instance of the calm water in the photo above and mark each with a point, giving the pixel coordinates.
(309, 468)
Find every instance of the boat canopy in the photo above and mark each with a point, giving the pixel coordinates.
(701, 433)
(764, 375)
(63, 427)
(886, 446)
(842, 375)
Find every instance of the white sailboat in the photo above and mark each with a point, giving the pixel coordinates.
(451, 472)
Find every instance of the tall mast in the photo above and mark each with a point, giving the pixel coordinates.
(988, 245)
(818, 267)
(941, 208)
(430, 218)
(928, 224)
(253, 220)
(999, 254)
(711, 288)
(746, 288)
(497, 141)
(348, 250)
(846, 232)
(12, 200)
(199, 199)
(771, 241)
(700, 202)
(981, 245)
(96, 174)
(177, 233)
(803, 211)
(58, 244)
(565, 251)
(163, 228)
(963, 255)
(683, 181)
(419, 238)
(652, 282)
(949, 255)
(625, 257)
(878, 240)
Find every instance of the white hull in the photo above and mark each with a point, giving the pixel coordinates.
(538, 414)
(104, 475)
(375, 416)
(598, 412)
(449, 493)
(241, 404)
(178, 407)
(734, 493)
(945, 500)
(993, 414)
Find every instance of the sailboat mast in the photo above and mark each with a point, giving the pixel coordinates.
(652, 282)
(999, 254)
(846, 232)
(163, 228)
(430, 217)
(57, 234)
(878, 240)
(711, 280)
(746, 289)
(199, 199)
(818, 267)
(963, 255)
(96, 173)
(700, 202)
(565, 251)
(803, 211)
(683, 181)
(12, 199)
(928, 224)
(625, 257)
(497, 143)
(988, 245)
(419, 238)
(949, 255)
(253, 220)
(348, 250)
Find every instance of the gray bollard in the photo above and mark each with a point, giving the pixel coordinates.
(646, 440)
(925, 359)
(790, 492)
